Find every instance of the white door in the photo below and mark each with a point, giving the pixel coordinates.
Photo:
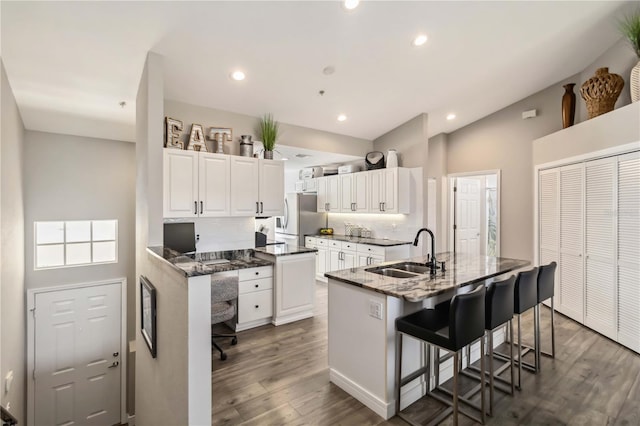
(469, 215)
(333, 193)
(271, 188)
(390, 186)
(571, 241)
(376, 183)
(77, 369)
(245, 172)
(549, 222)
(346, 192)
(600, 246)
(629, 250)
(180, 183)
(214, 185)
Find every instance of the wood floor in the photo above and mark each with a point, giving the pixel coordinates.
(279, 376)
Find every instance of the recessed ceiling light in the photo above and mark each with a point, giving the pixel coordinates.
(420, 40)
(342, 117)
(451, 116)
(351, 4)
(237, 75)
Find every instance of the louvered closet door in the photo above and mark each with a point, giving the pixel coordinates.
(549, 222)
(571, 241)
(629, 250)
(600, 246)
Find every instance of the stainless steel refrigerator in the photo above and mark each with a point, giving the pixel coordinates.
(300, 219)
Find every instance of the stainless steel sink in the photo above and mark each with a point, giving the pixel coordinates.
(417, 268)
(394, 273)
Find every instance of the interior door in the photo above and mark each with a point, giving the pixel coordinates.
(469, 215)
(77, 356)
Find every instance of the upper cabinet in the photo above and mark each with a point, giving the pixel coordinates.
(202, 184)
(374, 191)
(186, 186)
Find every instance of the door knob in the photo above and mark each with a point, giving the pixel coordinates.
(116, 354)
(114, 364)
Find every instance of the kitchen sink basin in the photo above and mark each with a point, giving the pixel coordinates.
(394, 273)
(417, 268)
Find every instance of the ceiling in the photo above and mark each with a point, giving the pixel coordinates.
(70, 64)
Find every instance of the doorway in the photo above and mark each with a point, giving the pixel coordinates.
(474, 213)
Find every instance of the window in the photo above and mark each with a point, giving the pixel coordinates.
(75, 243)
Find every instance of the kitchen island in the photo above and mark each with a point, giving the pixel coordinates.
(363, 307)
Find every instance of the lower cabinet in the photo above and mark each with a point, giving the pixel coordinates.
(294, 286)
(255, 297)
(334, 255)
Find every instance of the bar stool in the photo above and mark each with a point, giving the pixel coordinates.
(451, 327)
(525, 297)
(498, 311)
(546, 284)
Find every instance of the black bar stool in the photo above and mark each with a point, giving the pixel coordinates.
(498, 311)
(525, 297)
(546, 284)
(451, 327)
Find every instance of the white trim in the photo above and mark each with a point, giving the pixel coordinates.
(386, 410)
(31, 297)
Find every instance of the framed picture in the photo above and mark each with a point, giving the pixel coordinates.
(148, 314)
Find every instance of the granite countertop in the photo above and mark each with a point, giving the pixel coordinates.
(460, 270)
(284, 250)
(197, 263)
(361, 240)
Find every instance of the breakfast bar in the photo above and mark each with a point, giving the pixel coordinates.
(363, 306)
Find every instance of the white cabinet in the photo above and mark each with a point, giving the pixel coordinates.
(271, 188)
(588, 223)
(255, 297)
(307, 185)
(389, 191)
(372, 255)
(354, 192)
(294, 286)
(329, 194)
(321, 254)
(257, 187)
(195, 184)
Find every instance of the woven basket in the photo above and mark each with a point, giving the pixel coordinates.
(601, 92)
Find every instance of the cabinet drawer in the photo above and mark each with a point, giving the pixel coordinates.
(322, 242)
(310, 242)
(255, 285)
(371, 250)
(255, 306)
(253, 273)
(335, 244)
(349, 246)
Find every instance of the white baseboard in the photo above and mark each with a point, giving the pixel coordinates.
(292, 318)
(131, 419)
(252, 324)
(381, 408)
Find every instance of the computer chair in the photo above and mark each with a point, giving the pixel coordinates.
(224, 295)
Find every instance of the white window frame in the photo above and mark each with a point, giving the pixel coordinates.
(64, 243)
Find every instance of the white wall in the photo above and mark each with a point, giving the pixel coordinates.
(12, 294)
(503, 141)
(80, 178)
(222, 233)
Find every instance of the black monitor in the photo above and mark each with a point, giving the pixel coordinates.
(180, 237)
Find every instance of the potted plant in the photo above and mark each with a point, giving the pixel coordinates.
(630, 28)
(269, 129)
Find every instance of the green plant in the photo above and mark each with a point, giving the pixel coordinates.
(630, 28)
(269, 129)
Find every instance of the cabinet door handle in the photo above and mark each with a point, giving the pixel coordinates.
(257, 285)
(257, 207)
(261, 207)
(195, 210)
(257, 273)
(257, 306)
(380, 206)
(384, 207)
(201, 207)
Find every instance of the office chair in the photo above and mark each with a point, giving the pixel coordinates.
(224, 295)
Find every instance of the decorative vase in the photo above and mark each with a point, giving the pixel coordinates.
(601, 92)
(568, 106)
(392, 158)
(268, 155)
(634, 83)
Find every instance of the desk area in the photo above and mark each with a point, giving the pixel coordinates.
(363, 303)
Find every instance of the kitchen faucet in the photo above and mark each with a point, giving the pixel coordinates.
(431, 263)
